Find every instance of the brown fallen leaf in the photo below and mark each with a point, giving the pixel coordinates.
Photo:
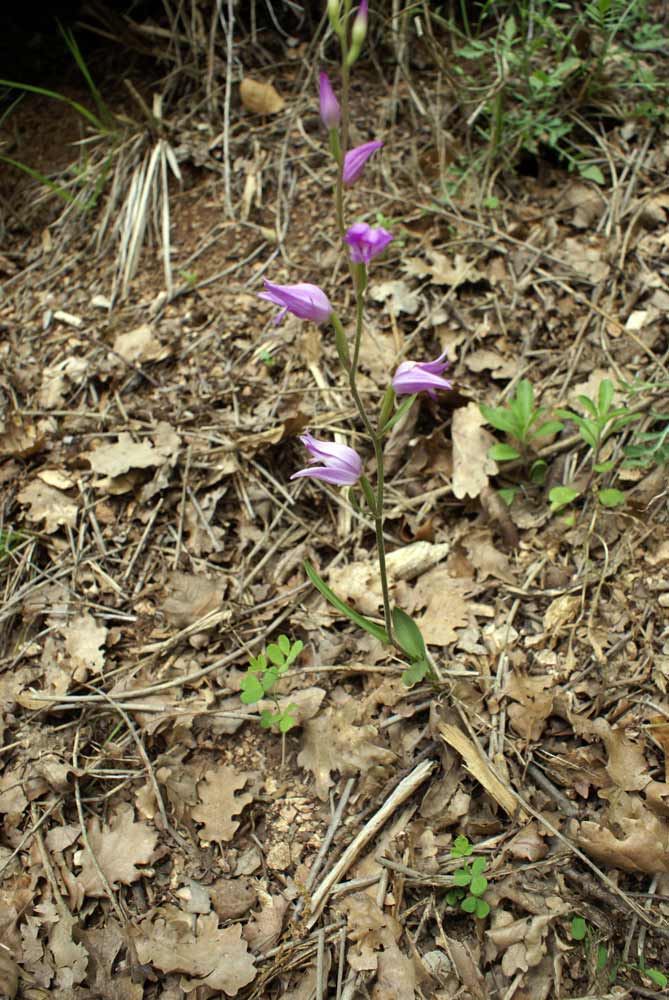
(374, 935)
(9, 973)
(264, 930)
(640, 842)
(118, 848)
(190, 597)
(486, 558)
(172, 942)
(116, 459)
(50, 505)
(84, 642)
(140, 344)
(260, 98)
(471, 443)
(219, 802)
(336, 742)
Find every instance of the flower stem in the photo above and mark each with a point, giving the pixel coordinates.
(359, 277)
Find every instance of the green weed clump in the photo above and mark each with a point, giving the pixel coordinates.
(544, 77)
(470, 883)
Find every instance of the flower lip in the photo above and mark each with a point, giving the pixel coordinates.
(366, 242)
(303, 300)
(329, 105)
(355, 160)
(341, 466)
(421, 376)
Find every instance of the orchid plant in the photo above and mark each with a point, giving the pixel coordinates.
(332, 462)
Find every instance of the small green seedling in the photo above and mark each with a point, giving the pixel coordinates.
(521, 421)
(258, 682)
(650, 447)
(602, 421)
(581, 930)
(469, 881)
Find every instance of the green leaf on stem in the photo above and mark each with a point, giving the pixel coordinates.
(415, 673)
(560, 496)
(321, 586)
(503, 453)
(611, 497)
(399, 412)
(408, 635)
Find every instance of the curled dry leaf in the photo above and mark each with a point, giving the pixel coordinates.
(191, 597)
(374, 936)
(260, 98)
(9, 973)
(335, 742)
(50, 505)
(626, 765)
(264, 931)
(219, 802)
(521, 942)
(643, 843)
(532, 703)
(140, 344)
(118, 849)
(471, 443)
(116, 459)
(84, 641)
(169, 940)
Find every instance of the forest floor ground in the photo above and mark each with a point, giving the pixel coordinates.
(157, 841)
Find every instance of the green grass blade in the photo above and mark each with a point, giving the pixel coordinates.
(44, 92)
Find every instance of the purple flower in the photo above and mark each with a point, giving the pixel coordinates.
(356, 158)
(366, 242)
(304, 301)
(330, 110)
(341, 465)
(417, 376)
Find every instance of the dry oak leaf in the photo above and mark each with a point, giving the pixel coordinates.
(116, 459)
(219, 802)
(264, 931)
(219, 958)
(9, 973)
(191, 597)
(140, 344)
(471, 443)
(50, 505)
(374, 936)
(486, 559)
(626, 765)
(644, 842)
(334, 742)
(84, 640)
(118, 849)
(260, 98)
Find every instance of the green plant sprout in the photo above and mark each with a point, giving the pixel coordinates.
(649, 447)
(581, 930)
(469, 881)
(522, 422)
(602, 421)
(259, 680)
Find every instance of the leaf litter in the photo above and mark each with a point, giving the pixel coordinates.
(152, 841)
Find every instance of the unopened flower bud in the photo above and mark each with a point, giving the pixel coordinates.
(334, 14)
(358, 32)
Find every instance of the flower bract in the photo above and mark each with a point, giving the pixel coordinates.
(366, 242)
(421, 376)
(341, 465)
(303, 300)
(329, 105)
(355, 160)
